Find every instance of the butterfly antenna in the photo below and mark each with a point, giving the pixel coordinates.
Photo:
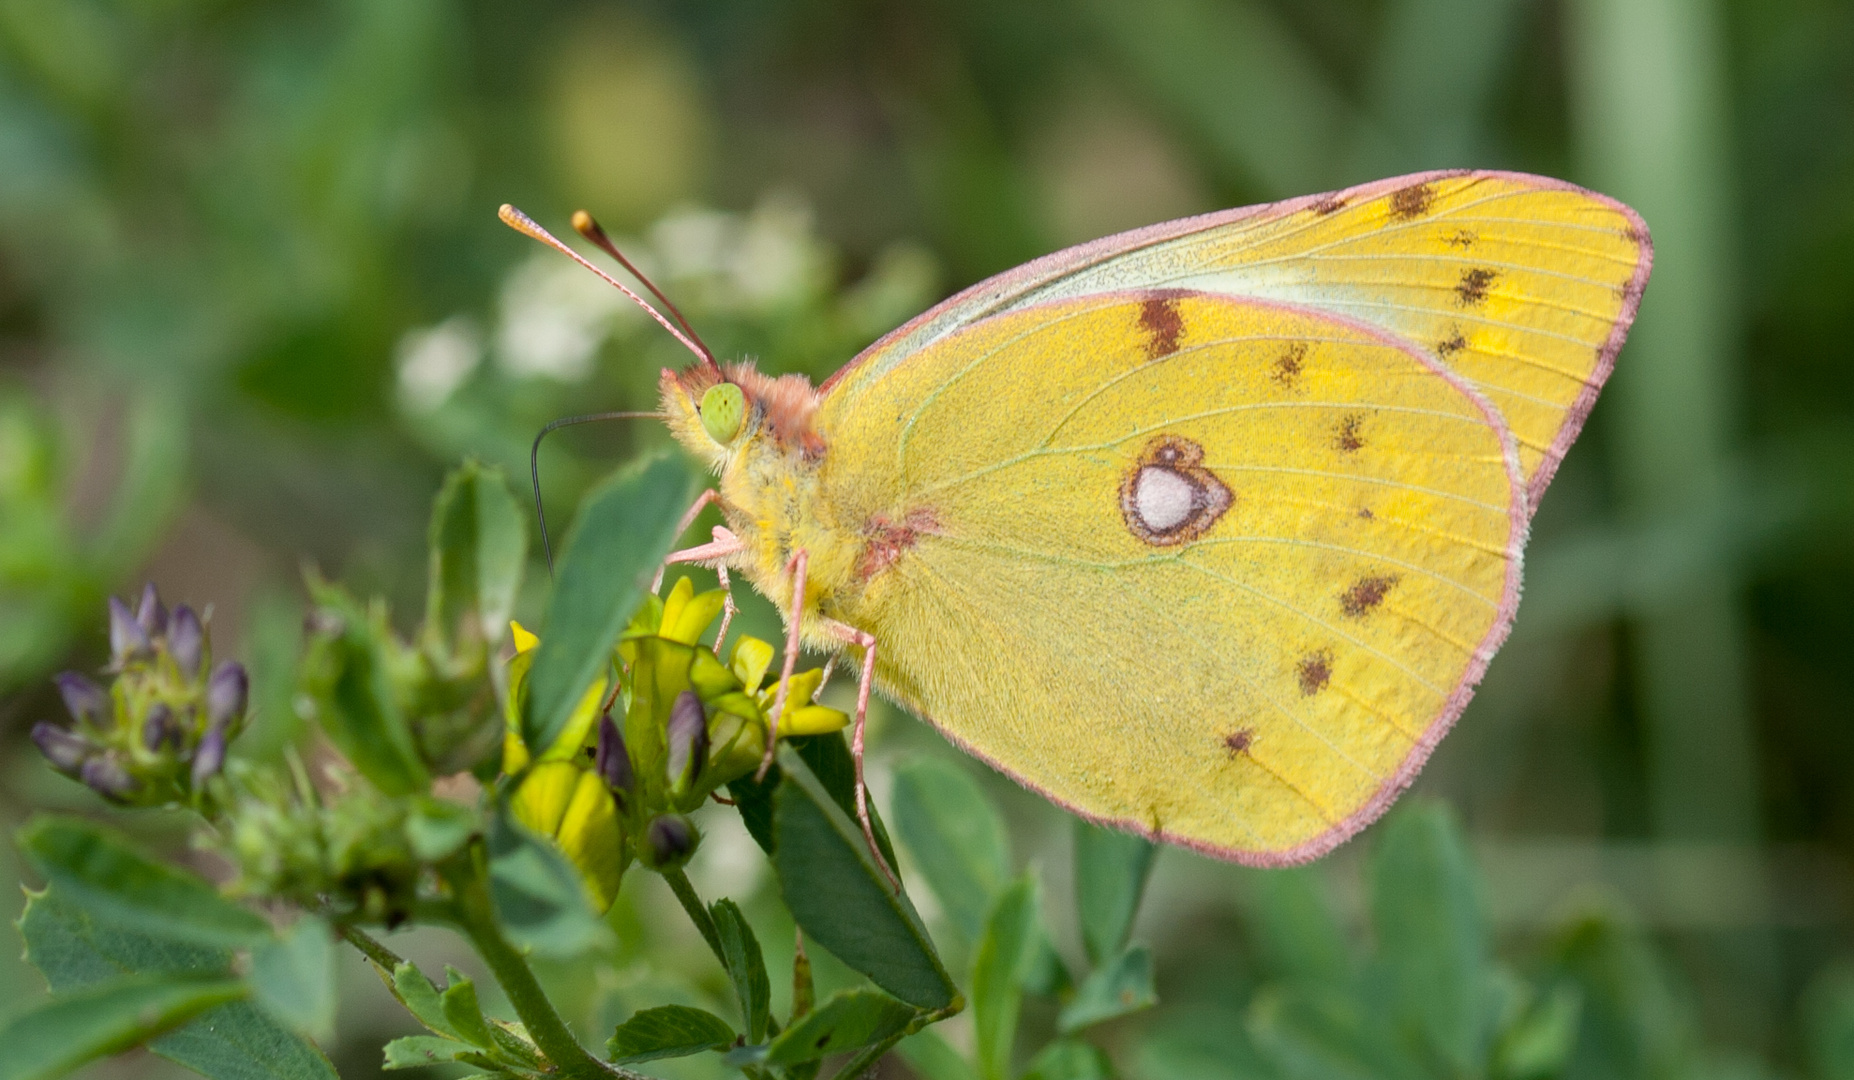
(534, 462)
(526, 225)
(587, 226)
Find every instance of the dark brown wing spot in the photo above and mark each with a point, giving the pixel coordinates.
(1454, 344)
(1349, 438)
(1461, 238)
(1407, 204)
(1365, 512)
(1288, 364)
(1315, 671)
(1159, 315)
(1366, 593)
(1238, 741)
(1331, 204)
(1474, 284)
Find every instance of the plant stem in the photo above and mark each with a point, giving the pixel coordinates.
(698, 914)
(383, 958)
(475, 915)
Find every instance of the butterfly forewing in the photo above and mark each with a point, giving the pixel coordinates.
(1221, 571)
(1524, 286)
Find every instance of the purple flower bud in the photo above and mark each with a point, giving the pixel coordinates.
(151, 614)
(64, 749)
(186, 641)
(210, 757)
(105, 776)
(669, 838)
(612, 760)
(688, 739)
(160, 727)
(87, 702)
(127, 639)
(226, 692)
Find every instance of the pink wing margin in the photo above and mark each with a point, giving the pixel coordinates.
(997, 293)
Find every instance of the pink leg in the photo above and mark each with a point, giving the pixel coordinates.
(866, 642)
(688, 518)
(728, 607)
(801, 561)
(724, 545)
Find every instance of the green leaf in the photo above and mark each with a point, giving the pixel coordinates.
(1121, 986)
(846, 1020)
(437, 828)
(238, 1041)
(1828, 1024)
(1199, 1043)
(347, 673)
(624, 529)
(479, 547)
(956, 837)
(753, 799)
(463, 1011)
(830, 761)
(540, 900)
(418, 1051)
(294, 977)
(746, 967)
(103, 870)
(71, 1029)
(1320, 1034)
(421, 999)
(1111, 868)
(668, 1031)
(1432, 936)
(932, 1058)
(998, 968)
(1539, 1042)
(1295, 928)
(836, 892)
(1070, 1059)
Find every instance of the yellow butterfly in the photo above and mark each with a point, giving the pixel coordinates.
(1208, 530)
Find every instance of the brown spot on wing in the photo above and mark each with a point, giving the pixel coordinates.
(1238, 741)
(1407, 204)
(1315, 670)
(1331, 204)
(1474, 285)
(1365, 594)
(1461, 238)
(1365, 512)
(1452, 345)
(1349, 438)
(1183, 460)
(1159, 315)
(1288, 364)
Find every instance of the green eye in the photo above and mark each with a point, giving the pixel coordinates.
(723, 409)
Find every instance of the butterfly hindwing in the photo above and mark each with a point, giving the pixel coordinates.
(1221, 571)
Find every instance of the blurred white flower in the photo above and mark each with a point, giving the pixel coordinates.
(435, 361)
(755, 262)
(555, 316)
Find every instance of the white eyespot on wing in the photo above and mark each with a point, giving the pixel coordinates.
(1164, 499)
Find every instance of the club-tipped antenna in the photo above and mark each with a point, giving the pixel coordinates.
(522, 223)
(587, 226)
(534, 459)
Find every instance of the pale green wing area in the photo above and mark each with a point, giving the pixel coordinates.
(1254, 669)
(1522, 285)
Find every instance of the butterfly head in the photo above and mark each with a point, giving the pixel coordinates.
(719, 412)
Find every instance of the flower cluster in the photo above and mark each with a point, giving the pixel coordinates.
(613, 789)
(158, 732)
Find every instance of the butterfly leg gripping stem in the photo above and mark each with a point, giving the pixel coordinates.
(707, 496)
(800, 562)
(865, 641)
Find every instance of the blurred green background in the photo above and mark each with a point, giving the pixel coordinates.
(254, 299)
